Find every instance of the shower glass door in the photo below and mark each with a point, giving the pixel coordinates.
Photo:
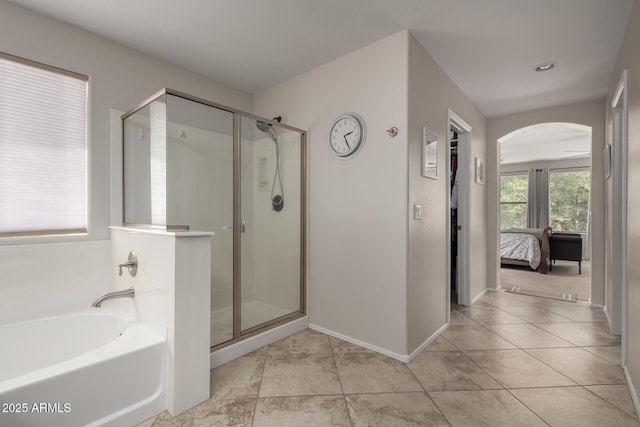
(271, 215)
(199, 189)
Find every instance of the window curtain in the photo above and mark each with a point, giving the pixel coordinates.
(538, 206)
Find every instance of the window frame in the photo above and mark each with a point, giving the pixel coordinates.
(67, 234)
(573, 169)
(524, 173)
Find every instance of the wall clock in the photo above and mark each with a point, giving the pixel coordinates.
(347, 135)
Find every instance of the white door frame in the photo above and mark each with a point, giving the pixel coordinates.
(464, 212)
(617, 310)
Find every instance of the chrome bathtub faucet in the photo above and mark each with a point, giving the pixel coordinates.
(127, 293)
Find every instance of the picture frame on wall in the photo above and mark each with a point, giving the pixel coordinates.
(607, 162)
(429, 154)
(480, 171)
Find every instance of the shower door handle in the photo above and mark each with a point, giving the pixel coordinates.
(243, 226)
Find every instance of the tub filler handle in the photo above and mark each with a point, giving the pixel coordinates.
(131, 264)
(127, 293)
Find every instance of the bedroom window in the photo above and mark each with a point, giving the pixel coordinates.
(513, 201)
(43, 149)
(569, 200)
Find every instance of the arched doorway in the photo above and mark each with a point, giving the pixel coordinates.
(544, 180)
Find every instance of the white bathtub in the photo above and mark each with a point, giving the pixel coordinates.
(99, 366)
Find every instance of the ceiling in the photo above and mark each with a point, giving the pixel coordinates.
(487, 47)
(546, 142)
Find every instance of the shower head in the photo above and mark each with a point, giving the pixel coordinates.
(277, 200)
(268, 129)
(264, 127)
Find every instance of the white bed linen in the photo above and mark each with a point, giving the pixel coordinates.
(525, 247)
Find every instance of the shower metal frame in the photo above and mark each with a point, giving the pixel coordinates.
(238, 334)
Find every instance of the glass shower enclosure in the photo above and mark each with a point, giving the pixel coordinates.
(193, 164)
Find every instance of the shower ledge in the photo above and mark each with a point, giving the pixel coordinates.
(190, 233)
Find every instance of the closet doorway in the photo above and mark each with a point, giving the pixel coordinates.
(458, 197)
(617, 216)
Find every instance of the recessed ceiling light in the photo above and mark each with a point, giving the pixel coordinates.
(545, 66)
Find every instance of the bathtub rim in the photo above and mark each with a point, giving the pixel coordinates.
(136, 335)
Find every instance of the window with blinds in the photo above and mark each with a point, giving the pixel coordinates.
(43, 149)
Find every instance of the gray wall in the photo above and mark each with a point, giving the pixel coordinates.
(357, 264)
(629, 59)
(119, 78)
(375, 274)
(431, 94)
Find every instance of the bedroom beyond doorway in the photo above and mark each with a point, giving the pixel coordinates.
(564, 279)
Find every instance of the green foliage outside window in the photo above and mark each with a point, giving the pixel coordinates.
(513, 201)
(569, 200)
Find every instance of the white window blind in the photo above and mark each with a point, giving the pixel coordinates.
(43, 149)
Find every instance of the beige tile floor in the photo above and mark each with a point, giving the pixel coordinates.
(511, 360)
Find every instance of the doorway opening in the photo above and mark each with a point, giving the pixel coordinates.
(545, 191)
(616, 158)
(458, 196)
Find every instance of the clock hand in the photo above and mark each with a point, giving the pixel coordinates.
(345, 140)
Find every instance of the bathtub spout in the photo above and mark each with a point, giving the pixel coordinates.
(127, 293)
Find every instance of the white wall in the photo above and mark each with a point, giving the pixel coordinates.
(357, 207)
(630, 60)
(46, 279)
(590, 113)
(118, 78)
(172, 286)
(431, 94)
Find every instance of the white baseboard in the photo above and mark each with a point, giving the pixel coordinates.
(227, 354)
(429, 340)
(406, 358)
(606, 313)
(632, 390)
(475, 300)
(401, 357)
(498, 289)
(594, 305)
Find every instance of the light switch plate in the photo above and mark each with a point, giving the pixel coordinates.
(417, 212)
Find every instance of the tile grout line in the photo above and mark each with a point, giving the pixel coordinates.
(264, 365)
(516, 348)
(344, 397)
(525, 405)
(610, 403)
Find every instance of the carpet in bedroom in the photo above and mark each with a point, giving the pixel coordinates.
(563, 279)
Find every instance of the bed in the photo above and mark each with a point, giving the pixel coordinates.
(525, 246)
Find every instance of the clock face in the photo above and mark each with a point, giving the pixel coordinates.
(347, 134)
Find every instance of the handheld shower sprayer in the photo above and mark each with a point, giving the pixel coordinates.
(277, 200)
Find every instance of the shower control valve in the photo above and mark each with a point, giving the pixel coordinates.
(131, 264)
